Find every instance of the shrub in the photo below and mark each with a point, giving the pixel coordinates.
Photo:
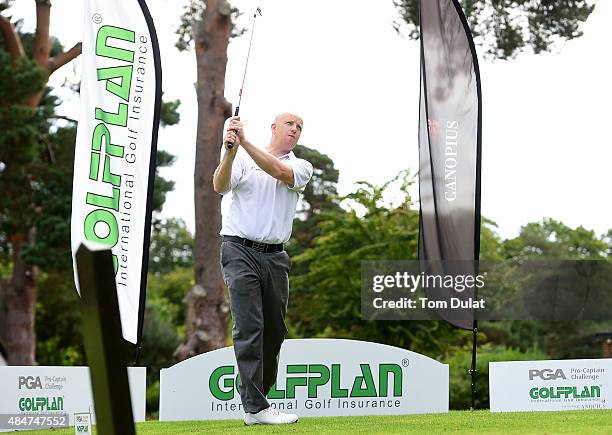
(460, 379)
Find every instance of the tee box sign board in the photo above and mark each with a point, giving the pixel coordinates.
(54, 395)
(316, 377)
(550, 385)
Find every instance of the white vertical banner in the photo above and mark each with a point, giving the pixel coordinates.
(116, 144)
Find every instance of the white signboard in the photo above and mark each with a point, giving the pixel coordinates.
(35, 397)
(553, 385)
(316, 377)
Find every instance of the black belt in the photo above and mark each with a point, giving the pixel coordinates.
(258, 246)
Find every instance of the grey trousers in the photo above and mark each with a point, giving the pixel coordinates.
(259, 291)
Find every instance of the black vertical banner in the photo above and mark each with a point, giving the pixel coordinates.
(151, 181)
(449, 150)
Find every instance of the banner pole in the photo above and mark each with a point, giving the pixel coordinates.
(151, 181)
(473, 368)
(477, 191)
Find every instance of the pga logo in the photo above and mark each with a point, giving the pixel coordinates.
(30, 382)
(546, 374)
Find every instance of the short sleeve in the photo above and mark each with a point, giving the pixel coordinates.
(302, 173)
(237, 171)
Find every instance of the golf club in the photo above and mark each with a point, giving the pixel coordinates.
(230, 145)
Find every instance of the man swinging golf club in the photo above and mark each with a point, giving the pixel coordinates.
(265, 186)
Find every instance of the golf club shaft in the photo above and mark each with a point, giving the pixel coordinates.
(229, 144)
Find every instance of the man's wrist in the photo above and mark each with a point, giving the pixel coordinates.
(230, 154)
(245, 144)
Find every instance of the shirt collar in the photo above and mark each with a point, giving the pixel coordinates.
(289, 155)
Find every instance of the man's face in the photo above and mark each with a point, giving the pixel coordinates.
(286, 130)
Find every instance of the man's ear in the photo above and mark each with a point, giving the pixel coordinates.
(273, 127)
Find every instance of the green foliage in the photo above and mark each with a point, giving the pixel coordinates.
(559, 340)
(53, 352)
(169, 114)
(171, 246)
(167, 291)
(490, 243)
(6, 267)
(164, 325)
(170, 271)
(170, 276)
(19, 144)
(326, 299)
(36, 184)
(58, 321)
(159, 340)
(52, 198)
(162, 185)
(18, 125)
(153, 399)
(552, 239)
(460, 378)
(19, 79)
(320, 195)
(506, 28)
(35, 161)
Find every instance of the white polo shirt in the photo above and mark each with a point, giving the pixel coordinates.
(262, 208)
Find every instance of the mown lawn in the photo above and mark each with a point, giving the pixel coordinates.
(457, 422)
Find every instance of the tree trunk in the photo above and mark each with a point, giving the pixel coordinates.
(206, 303)
(17, 302)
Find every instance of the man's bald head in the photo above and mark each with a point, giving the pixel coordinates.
(286, 130)
(282, 116)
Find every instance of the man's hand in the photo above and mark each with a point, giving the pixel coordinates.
(231, 138)
(237, 127)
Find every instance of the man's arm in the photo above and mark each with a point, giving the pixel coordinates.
(223, 174)
(266, 161)
(270, 164)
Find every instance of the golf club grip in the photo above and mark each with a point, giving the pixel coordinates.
(230, 145)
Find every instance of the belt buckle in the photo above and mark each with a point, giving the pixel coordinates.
(258, 246)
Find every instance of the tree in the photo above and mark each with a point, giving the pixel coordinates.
(171, 246)
(320, 192)
(208, 24)
(553, 239)
(36, 161)
(27, 62)
(550, 239)
(504, 28)
(319, 195)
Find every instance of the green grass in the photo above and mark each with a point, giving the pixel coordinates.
(456, 422)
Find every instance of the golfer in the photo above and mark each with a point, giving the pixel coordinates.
(264, 186)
